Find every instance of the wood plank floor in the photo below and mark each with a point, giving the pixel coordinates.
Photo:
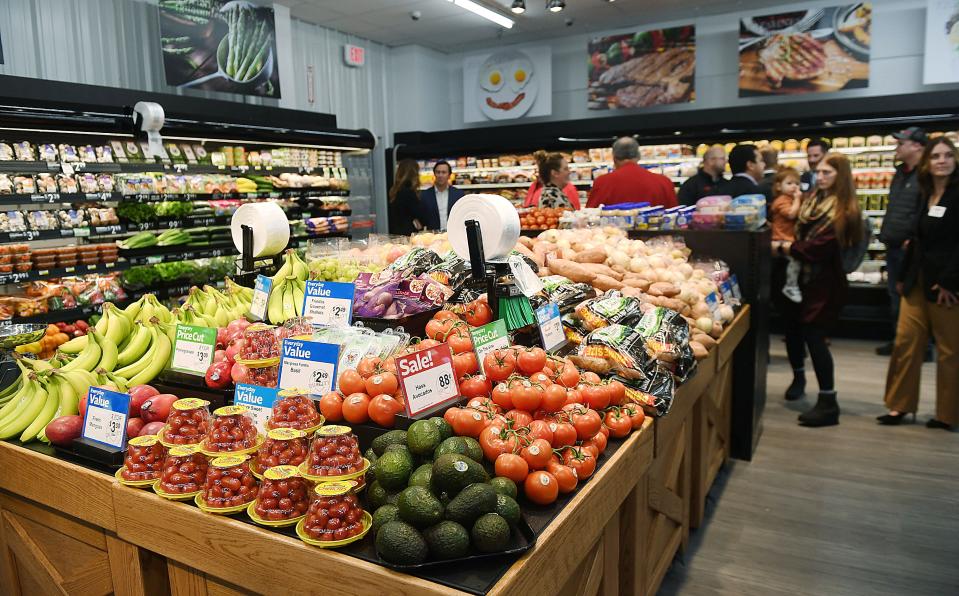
(846, 510)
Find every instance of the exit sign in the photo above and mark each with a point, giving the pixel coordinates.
(354, 55)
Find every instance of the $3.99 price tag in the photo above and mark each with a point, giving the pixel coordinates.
(309, 365)
(328, 303)
(193, 349)
(105, 420)
(427, 378)
(489, 337)
(261, 295)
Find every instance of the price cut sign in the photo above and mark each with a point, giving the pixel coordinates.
(259, 400)
(328, 303)
(193, 349)
(308, 364)
(427, 379)
(105, 421)
(489, 337)
(261, 295)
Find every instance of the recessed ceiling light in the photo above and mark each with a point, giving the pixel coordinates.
(489, 15)
(518, 7)
(555, 5)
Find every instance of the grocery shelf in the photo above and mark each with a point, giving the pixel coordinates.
(159, 167)
(59, 198)
(54, 316)
(874, 212)
(844, 150)
(872, 191)
(38, 274)
(873, 170)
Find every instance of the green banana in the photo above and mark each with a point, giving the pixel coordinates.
(74, 346)
(133, 309)
(26, 387)
(274, 306)
(300, 269)
(46, 413)
(11, 389)
(22, 417)
(88, 358)
(131, 370)
(284, 270)
(137, 345)
(80, 380)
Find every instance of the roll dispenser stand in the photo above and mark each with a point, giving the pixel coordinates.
(248, 266)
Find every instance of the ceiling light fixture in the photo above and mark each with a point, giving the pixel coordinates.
(482, 11)
(518, 7)
(555, 5)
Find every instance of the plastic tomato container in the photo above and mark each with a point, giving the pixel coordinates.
(283, 496)
(294, 327)
(264, 376)
(144, 460)
(335, 514)
(232, 430)
(294, 409)
(188, 423)
(184, 472)
(335, 452)
(283, 447)
(229, 484)
(261, 343)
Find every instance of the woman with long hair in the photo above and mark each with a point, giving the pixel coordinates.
(404, 209)
(929, 286)
(552, 187)
(829, 222)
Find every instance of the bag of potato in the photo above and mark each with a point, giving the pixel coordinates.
(666, 335)
(612, 308)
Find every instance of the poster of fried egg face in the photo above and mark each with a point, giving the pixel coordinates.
(941, 59)
(508, 83)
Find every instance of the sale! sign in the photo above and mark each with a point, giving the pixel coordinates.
(427, 378)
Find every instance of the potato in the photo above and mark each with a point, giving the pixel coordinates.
(571, 270)
(663, 289)
(526, 241)
(699, 350)
(599, 269)
(605, 282)
(636, 282)
(591, 256)
(705, 340)
(544, 272)
(717, 330)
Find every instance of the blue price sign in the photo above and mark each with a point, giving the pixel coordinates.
(259, 400)
(328, 303)
(261, 296)
(550, 326)
(105, 420)
(308, 365)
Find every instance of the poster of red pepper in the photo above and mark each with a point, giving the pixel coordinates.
(219, 45)
(643, 69)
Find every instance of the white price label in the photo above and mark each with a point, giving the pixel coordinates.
(328, 303)
(550, 326)
(193, 349)
(427, 378)
(105, 420)
(261, 295)
(308, 365)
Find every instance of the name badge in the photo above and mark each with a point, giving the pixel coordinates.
(937, 211)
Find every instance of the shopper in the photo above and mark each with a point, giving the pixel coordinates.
(902, 213)
(816, 150)
(747, 167)
(438, 200)
(405, 210)
(707, 178)
(771, 159)
(783, 215)
(829, 222)
(929, 285)
(554, 188)
(629, 182)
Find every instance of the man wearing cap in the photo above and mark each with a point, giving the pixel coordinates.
(902, 214)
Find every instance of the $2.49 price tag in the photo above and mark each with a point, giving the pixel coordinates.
(427, 378)
(328, 303)
(193, 349)
(308, 365)
(105, 420)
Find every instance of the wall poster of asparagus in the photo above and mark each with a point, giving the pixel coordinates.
(219, 45)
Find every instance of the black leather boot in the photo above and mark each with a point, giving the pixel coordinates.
(797, 388)
(824, 413)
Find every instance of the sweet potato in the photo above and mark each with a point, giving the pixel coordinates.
(605, 282)
(631, 291)
(525, 251)
(636, 282)
(600, 366)
(600, 269)
(619, 269)
(539, 251)
(571, 270)
(705, 340)
(544, 272)
(662, 288)
(595, 255)
(699, 350)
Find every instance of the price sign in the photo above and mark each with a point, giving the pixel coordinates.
(550, 326)
(308, 364)
(261, 294)
(328, 303)
(734, 282)
(259, 400)
(712, 301)
(105, 420)
(726, 289)
(489, 337)
(193, 349)
(427, 379)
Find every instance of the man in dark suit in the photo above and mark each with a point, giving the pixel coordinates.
(437, 200)
(816, 150)
(771, 159)
(746, 164)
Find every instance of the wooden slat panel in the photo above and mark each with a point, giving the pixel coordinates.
(186, 581)
(611, 559)
(30, 559)
(136, 572)
(733, 334)
(76, 529)
(683, 404)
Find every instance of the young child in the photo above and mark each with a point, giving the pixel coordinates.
(783, 215)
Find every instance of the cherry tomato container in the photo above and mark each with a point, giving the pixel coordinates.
(232, 431)
(334, 455)
(184, 473)
(188, 423)
(295, 327)
(283, 497)
(294, 409)
(230, 485)
(283, 447)
(261, 343)
(335, 517)
(143, 463)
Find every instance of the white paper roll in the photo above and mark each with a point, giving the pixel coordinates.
(499, 224)
(271, 228)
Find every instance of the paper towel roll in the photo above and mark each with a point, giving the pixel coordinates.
(271, 228)
(499, 224)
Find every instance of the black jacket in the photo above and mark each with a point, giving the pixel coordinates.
(766, 185)
(402, 211)
(698, 186)
(806, 182)
(738, 186)
(902, 213)
(934, 249)
(431, 213)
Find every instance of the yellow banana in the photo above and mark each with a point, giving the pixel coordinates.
(284, 270)
(300, 269)
(108, 353)
(21, 419)
(133, 309)
(88, 358)
(156, 364)
(131, 370)
(46, 413)
(288, 309)
(274, 307)
(80, 380)
(27, 387)
(74, 346)
(137, 345)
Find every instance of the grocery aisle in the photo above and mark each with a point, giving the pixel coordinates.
(852, 509)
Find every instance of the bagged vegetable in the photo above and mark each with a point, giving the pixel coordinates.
(416, 262)
(612, 308)
(614, 349)
(666, 336)
(564, 292)
(654, 393)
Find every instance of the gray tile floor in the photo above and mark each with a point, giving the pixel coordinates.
(846, 510)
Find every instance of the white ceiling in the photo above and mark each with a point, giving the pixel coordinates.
(449, 28)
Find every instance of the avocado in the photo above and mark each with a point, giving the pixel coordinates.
(392, 437)
(421, 476)
(370, 455)
(399, 543)
(398, 447)
(490, 533)
(446, 431)
(393, 469)
(423, 437)
(508, 509)
(377, 496)
(473, 449)
(447, 540)
(419, 507)
(472, 502)
(455, 445)
(452, 473)
(383, 514)
(504, 486)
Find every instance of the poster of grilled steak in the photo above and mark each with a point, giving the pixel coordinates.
(805, 51)
(644, 69)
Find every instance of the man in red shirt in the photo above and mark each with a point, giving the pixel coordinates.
(630, 182)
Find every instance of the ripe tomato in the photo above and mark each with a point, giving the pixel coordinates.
(554, 398)
(584, 463)
(565, 475)
(331, 406)
(618, 423)
(537, 454)
(435, 329)
(540, 378)
(520, 418)
(531, 360)
(503, 396)
(595, 396)
(564, 434)
(445, 314)
(496, 440)
(465, 364)
(475, 386)
(525, 396)
(467, 422)
(511, 466)
(586, 421)
(460, 344)
(574, 396)
(597, 443)
(499, 365)
(590, 377)
(367, 366)
(351, 382)
(383, 382)
(478, 313)
(636, 415)
(568, 376)
(541, 488)
(539, 429)
(356, 408)
(617, 393)
(383, 410)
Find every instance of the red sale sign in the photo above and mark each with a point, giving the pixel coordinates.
(427, 378)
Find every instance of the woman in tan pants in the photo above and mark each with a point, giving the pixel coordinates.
(930, 295)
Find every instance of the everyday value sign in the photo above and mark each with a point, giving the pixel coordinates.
(427, 378)
(308, 364)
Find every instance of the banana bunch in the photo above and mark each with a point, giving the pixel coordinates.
(218, 308)
(148, 307)
(115, 324)
(143, 357)
(245, 185)
(289, 286)
(44, 393)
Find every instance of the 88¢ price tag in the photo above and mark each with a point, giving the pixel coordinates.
(428, 379)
